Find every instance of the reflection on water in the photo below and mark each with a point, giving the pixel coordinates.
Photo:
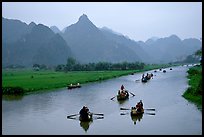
(12, 97)
(85, 124)
(136, 118)
(122, 101)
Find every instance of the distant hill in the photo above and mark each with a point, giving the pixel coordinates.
(172, 48)
(33, 44)
(55, 29)
(26, 45)
(90, 44)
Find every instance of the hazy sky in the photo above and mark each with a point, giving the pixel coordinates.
(137, 20)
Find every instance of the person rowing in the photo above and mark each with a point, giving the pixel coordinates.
(84, 113)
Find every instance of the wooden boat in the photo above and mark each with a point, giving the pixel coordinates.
(89, 118)
(144, 79)
(123, 96)
(73, 86)
(134, 112)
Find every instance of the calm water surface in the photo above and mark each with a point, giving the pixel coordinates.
(46, 113)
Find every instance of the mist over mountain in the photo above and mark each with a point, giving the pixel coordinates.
(89, 44)
(172, 48)
(55, 29)
(35, 44)
(26, 45)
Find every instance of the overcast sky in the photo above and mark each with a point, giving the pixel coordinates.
(137, 20)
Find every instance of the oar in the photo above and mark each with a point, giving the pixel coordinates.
(144, 113)
(124, 113)
(150, 109)
(150, 113)
(99, 118)
(97, 114)
(131, 93)
(125, 109)
(72, 118)
(113, 97)
(144, 109)
(72, 115)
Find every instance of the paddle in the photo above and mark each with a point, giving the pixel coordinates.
(124, 113)
(97, 114)
(99, 118)
(131, 93)
(72, 115)
(150, 109)
(125, 109)
(113, 97)
(150, 113)
(72, 118)
(144, 113)
(144, 109)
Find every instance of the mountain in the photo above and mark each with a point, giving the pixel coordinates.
(127, 43)
(34, 44)
(26, 45)
(55, 29)
(90, 44)
(12, 29)
(169, 49)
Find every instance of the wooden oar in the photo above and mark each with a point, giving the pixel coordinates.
(99, 118)
(150, 113)
(125, 109)
(73, 118)
(124, 113)
(97, 114)
(144, 109)
(144, 113)
(149, 109)
(131, 93)
(113, 97)
(72, 115)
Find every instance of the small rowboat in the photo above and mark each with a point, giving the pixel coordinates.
(144, 79)
(73, 86)
(134, 112)
(123, 96)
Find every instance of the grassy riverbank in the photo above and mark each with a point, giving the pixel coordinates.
(33, 81)
(194, 92)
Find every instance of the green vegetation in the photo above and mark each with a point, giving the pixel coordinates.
(44, 80)
(194, 92)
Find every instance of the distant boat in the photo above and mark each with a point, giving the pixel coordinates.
(73, 86)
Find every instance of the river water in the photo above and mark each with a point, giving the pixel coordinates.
(46, 113)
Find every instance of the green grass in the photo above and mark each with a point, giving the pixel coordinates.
(33, 81)
(194, 92)
(45, 80)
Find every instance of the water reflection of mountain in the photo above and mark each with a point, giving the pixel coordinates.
(85, 125)
(136, 118)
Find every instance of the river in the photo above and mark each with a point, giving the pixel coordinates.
(46, 113)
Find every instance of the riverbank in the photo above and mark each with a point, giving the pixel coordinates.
(42, 81)
(194, 92)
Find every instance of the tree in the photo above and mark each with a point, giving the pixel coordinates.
(70, 64)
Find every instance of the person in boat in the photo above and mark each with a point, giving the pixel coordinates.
(84, 113)
(143, 76)
(141, 103)
(122, 88)
(152, 75)
(139, 106)
(121, 91)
